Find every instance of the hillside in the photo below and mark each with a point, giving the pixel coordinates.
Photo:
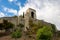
(40, 24)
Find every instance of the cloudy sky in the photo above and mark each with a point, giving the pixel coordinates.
(47, 10)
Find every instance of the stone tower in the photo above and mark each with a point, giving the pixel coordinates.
(30, 14)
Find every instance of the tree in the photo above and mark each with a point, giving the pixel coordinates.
(1, 26)
(16, 34)
(7, 25)
(44, 33)
(15, 16)
(54, 28)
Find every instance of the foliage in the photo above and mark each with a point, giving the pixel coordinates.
(9, 25)
(54, 28)
(20, 25)
(16, 34)
(1, 26)
(6, 25)
(34, 27)
(15, 16)
(44, 33)
(5, 21)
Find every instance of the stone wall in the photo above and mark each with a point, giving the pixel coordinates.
(30, 14)
(1, 20)
(13, 20)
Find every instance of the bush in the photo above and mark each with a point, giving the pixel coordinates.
(44, 33)
(16, 34)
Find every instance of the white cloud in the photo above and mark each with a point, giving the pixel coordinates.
(10, 10)
(12, 0)
(47, 10)
(2, 14)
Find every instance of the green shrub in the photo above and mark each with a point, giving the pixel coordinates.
(16, 34)
(44, 33)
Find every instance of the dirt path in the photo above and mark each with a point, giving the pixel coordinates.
(8, 37)
(5, 38)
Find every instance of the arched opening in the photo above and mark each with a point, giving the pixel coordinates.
(32, 14)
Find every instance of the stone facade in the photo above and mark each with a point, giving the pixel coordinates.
(30, 14)
(1, 20)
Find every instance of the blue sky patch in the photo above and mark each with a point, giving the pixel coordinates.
(13, 5)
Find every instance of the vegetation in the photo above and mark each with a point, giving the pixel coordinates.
(41, 30)
(15, 16)
(44, 33)
(6, 25)
(20, 25)
(16, 34)
(1, 26)
(44, 30)
(54, 28)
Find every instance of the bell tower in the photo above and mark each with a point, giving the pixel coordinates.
(30, 15)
